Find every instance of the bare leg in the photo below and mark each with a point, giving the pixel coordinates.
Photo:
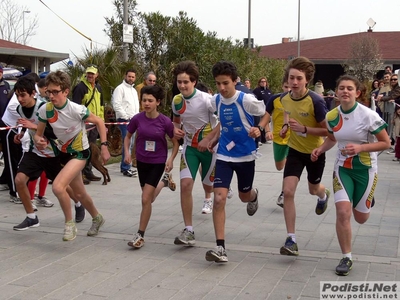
(343, 225)
(289, 209)
(187, 200)
(147, 199)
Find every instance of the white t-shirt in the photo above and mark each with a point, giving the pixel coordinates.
(68, 125)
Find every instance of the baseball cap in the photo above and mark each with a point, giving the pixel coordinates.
(91, 69)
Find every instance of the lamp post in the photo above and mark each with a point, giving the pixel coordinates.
(23, 24)
(298, 31)
(249, 27)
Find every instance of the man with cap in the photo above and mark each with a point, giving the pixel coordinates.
(88, 93)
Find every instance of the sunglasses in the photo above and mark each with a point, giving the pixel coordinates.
(393, 79)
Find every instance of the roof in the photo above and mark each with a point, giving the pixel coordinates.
(335, 49)
(20, 55)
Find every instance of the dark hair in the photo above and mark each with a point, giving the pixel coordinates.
(155, 90)
(33, 76)
(225, 68)
(41, 83)
(372, 85)
(25, 84)
(202, 87)
(60, 79)
(130, 70)
(387, 73)
(303, 64)
(188, 67)
(356, 82)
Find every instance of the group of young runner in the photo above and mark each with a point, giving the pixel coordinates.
(218, 132)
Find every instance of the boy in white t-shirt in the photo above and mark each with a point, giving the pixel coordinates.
(68, 122)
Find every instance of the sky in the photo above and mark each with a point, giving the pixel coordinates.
(271, 20)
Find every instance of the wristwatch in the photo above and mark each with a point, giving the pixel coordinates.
(106, 143)
(262, 129)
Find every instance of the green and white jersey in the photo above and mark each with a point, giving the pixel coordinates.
(68, 123)
(356, 126)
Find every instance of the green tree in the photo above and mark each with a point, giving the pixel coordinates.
(160, 42)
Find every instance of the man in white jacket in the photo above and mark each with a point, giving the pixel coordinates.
(125, 102)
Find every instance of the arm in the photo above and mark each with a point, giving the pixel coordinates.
(170, 161)
(383, 143)
(127, 143)
(39, 139)
(210, 140)
(101, 128)
(327, 145)
(264, 123)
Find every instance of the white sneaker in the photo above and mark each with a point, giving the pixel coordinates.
(34, 206)
(180, 148)
(44, 202)
(207, 207)
(230, 193)
(279, 201)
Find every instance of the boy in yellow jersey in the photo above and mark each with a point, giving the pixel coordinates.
(305, 116)
(274, 109)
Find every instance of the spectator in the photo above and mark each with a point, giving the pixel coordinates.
(262, 93)
(88, 93)
(149, 79)
(126, 105)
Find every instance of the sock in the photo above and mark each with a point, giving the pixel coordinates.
(255, 199)
(78, 204)
(207, 199)
(293, 236)
(31, 216)
(189, 228)
(347, 255)
(323, 199)
(221, 243)
(141, 232)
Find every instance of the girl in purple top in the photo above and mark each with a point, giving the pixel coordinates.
(151, 153)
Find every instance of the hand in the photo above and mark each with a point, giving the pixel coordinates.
(127, 158)
(40, 142)
(296, 126)
(254, 132)
(203, 145)
(178, 133)
(283, 131)
(169, 165)
(269, 136)
(351, 150)
(315, 154)
(26, 123)
(105, 155)
(18, 137)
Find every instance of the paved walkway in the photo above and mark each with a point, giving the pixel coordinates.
(37, 264)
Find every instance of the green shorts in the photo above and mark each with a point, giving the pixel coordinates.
(280, 152)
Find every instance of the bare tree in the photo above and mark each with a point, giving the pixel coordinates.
(365, 58)
(12, 22)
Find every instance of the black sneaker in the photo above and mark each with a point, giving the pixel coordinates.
(130, 173)
(322, 205)
(344, 266)
(79, 214)
(27, 223)
(290, 247)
